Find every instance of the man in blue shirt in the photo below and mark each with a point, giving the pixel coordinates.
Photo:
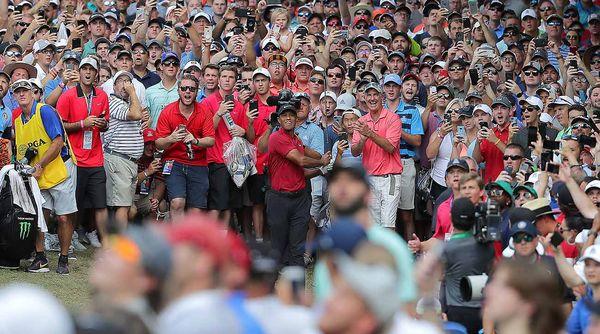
(400, 96)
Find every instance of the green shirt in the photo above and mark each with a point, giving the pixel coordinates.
(89, 48)
(157, 98)
(394, 244)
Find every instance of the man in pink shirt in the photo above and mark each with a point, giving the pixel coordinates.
(377, 137)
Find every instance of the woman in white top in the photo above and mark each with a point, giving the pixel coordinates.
(441, 144)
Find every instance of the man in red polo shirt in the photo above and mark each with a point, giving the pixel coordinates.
(221, 105)
(261, 79)
(288, 202)
(184, 132)
(377, 137)
(492, 142)
(85, 112)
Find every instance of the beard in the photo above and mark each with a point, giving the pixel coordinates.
(350, 209)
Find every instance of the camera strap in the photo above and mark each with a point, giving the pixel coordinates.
(461, 235)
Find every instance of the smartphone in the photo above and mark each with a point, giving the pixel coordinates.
(302, 31)
(509, 76)
(432, 90)
(238, 30)
(207, 33)
(573, 49)
(573, 63)
(542, 128)
(254, 105)
(42, 14)
(76, 43)
(447, 118)
(483, 125)
(54, 30)
(250, 24)
(444, 73)
(344, 32)
(460, 36)
(240, 12)
(139, 12)
(337, 119)
(466, 23)
(545, 158)
(168, 24)
(181, 127)
(460, 131)
(229, 98)
(158, 154)
(81, 23)
(556, 239)
(532, 132)
(474, 75)
(180, 3)
(70, 9)
(473, 8)
(587, 141)
(352, 73)
(343, 136)
(551, 145)
(524, 168)
(540, 42)
(514, 121)
(244, 87)
(276, 29)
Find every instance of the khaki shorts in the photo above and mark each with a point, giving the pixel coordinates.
(384, 202)
(407, 185)
(61, 198)
(121, 180)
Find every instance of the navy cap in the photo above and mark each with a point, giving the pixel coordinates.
(462, 210)
(524, 227)
(502, 100)
(352, 167)
(344, 235)
(520, 214)
(458, 163)
(168, 55)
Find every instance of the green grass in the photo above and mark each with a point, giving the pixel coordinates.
(73, 290)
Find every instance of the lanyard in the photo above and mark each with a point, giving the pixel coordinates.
(88, 101)
(461, 235)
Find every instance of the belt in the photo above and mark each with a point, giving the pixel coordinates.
(290, 194)
(405, 156)
(120, 155)
(386, 175)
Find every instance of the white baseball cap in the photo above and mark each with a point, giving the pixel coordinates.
(192, 63)
(345, 101)
(89, 61)
(304, 61)
(328, 93)
(380, 33)
(269, 40)
(592, 252)
(528, 13)
(261, 71)
(535, 101)
(593, 185)
(352, 111)
(41, 45)
(483, 107)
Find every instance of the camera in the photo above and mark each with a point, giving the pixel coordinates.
(471, 287)
(284, 101)
(487, 222)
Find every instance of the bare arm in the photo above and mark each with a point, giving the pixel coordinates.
(344, 12)
(52, 152)
(135, 108)
(358, 148)
(582, 201)
(414, 140)
(566, 270)
(302, 160)
(311, 153)
(263, 141)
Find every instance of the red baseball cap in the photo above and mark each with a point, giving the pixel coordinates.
(202, 232)
(359, 18)
(149, 135)
(239, 253)
(379, 11)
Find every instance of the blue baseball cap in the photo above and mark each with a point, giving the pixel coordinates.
(344, 235)
(168, 55)
(395, 78)
(524, 227)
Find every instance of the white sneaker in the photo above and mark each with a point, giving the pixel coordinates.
(94, 241)
(51, 242)
(78, 246)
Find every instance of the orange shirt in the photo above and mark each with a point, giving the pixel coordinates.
(375, 159)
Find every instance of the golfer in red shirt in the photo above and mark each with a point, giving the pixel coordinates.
(288, 202)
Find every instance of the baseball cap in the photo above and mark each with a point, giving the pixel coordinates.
(345, 101)
(120, 73)
(168, 55)
(124, 53)
(411, 76)
(538, 53)
(528, 13)
(201, 232)
(592, 253)
(270, 41)
(302, 95)
(96, 16)
(112, 15)
(153, 250)
(533, 101)
(460, 163)
(396, 54)
(261, 71)
(502, 100)
(123, 35)
(70, 54)
(554, 17)
(393, 78)
(358, 19)
(37, 83)
(383, 33)
(352, 111)
(149, 135)
(526, 227)
(201, 14)
(277, 57)
(89, 61)
(533, 64)
(344, 235)
(462, 210)
(41, 45)
(192, 63)
(581, 119)
(328, 93)
(562, 101)
(373, 85)
(502, 185)
(592, 185)
(526, 188)
(304, 61)
(353, 167)
(115, 46)
(425, 56)
(520, 214)
(135, 45)
(593, 17)
(21, 83)
(474, 94)
(101, 40)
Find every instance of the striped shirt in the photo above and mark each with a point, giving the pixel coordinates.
(411, 124)
(123, 136)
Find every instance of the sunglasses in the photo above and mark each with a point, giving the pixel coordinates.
(572, 36)
(580, 80)
(495, 192)
(531, 109)
(518, 238)
(361, 12)
(581, 126)
(139, 52)
(336, 75)
(269, 48)
(317, 81)
(495, 9)
(545, 9)
(568, 16)
(13, 54)
(22, 24)
(595, 62)
(455, 68)
(188, 89)
(334, 24)
(446, 96)
(48, 51)
(171, 63)
(361, 26)
(278, 64)
(304, 14)
(510, 33)
(570, 137)
(525, 195)
(331, 4)
(531, 73)
(512, 157)
(491, 71)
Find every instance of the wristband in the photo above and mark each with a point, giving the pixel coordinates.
(38, 166)
(497, 141)
(145, 174)
(81, 124)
